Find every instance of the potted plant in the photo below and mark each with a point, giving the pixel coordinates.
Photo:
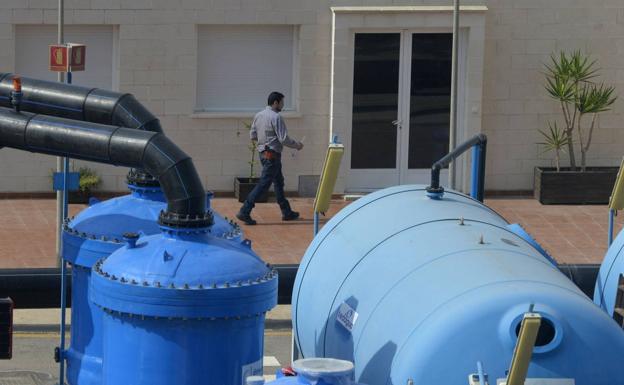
(570, 80)
(89, 181)
(244, 185)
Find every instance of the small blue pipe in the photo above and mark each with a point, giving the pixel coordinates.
(316, 223)
(474, 185)
(611, 220)
(480, 373)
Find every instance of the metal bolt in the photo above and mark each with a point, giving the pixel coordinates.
(214, 285)
(145, 283)
(122, 279)
(113, 277)
(186, 286)
(171, 285)
(226, 284)
(200, 286)
(133, 282)
(157, 284)
(481, 242)
(461, 221)
(410, 382)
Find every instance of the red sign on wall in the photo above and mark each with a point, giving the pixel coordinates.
(78, 54)
(59, 58)
(68, 57)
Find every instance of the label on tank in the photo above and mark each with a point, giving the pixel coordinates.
(346, 316)
(541, 381)
(253, 369)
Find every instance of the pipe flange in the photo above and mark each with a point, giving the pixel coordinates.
(141, 179)
(176, 220)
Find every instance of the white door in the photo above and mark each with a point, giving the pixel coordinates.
(401, 106)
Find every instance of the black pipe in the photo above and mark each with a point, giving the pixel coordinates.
(39, 288)
(79, 103)
(481, 181)
(435, 187)
(86, 104)
(151, 151)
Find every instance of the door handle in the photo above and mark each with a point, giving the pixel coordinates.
(397, 123)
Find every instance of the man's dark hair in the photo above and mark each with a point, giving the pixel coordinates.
(275, 97)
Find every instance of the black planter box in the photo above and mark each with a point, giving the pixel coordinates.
(243, 186)
(79, 197)
(592, 186)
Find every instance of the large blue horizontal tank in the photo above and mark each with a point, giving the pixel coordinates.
(183, 307)
(612, 268)
(93, 234)
(420, 289)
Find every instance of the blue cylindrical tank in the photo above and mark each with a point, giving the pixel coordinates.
(608, 281)
(421, 289)
(93, 234)
(183, 307)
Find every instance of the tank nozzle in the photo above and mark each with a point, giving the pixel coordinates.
(131, 239)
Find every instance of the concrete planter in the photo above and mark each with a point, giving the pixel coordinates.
(243, 186)
(593, 186)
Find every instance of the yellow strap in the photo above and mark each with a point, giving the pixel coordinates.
(524, 349)
(328, 177)
(616, 201)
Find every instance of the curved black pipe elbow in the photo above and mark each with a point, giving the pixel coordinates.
(434, 187)
(79, 103)
(151, 151)
(86, 104)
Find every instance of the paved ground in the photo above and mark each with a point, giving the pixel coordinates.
(572, 234)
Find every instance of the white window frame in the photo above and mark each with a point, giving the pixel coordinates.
(293, 112)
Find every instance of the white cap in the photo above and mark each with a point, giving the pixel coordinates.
(255, 380)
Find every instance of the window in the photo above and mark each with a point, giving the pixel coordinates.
(239, 65)
(31, 52)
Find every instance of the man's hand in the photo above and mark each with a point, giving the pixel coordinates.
(299, 146)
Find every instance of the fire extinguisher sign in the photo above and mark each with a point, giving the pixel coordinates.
(78, 54)
(68, 57)
(59, 60)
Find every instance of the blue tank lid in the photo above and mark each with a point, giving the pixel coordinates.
(129, 213)
(185, 275)
(98, 230)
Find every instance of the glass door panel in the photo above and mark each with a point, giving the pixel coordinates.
(430, 99)
(375, 100)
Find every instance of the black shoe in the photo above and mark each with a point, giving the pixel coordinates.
(291, 216)
(246, 218)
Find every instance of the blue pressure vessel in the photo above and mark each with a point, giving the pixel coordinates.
(610, 276)
(93, 234)
(183, 307)
(418, 290)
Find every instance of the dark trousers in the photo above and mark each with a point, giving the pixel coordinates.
(271, 173)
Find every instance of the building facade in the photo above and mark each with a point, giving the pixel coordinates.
(374, 73)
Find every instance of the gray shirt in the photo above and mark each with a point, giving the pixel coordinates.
(269, 129)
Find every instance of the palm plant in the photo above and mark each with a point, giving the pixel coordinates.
(569, 80)
(554, 140)
(253, 145)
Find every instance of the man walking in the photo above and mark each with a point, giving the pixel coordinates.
(269, 130)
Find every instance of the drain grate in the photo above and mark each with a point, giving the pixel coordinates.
(25, 378)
